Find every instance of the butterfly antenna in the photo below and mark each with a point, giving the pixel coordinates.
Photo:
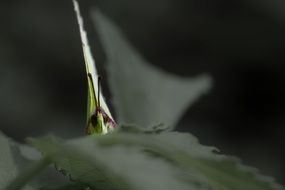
(92, 84)
(99, 89)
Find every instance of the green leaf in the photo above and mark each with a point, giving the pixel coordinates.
(11, 162)
(24, 177)
(20, 165)
(116, 167)
(143, 94)
(216, 171)
(140, 160)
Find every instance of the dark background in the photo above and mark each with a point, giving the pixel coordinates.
(239, 43)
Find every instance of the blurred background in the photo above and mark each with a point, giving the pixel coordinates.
(241, 44)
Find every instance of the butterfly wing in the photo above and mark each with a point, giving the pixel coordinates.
(90, 69)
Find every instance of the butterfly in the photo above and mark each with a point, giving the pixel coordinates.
(99, 117)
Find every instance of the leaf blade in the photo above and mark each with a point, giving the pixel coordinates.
(111, 168)
(166, 160)
(10, 162)
(143, 94)
(216, 171)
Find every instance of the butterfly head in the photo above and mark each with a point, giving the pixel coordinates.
(99, 122)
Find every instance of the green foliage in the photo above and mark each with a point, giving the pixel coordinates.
(144, 160)
(132, 157)
(10, 160)
(143, 94)
(22, 164)
(116, 167)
